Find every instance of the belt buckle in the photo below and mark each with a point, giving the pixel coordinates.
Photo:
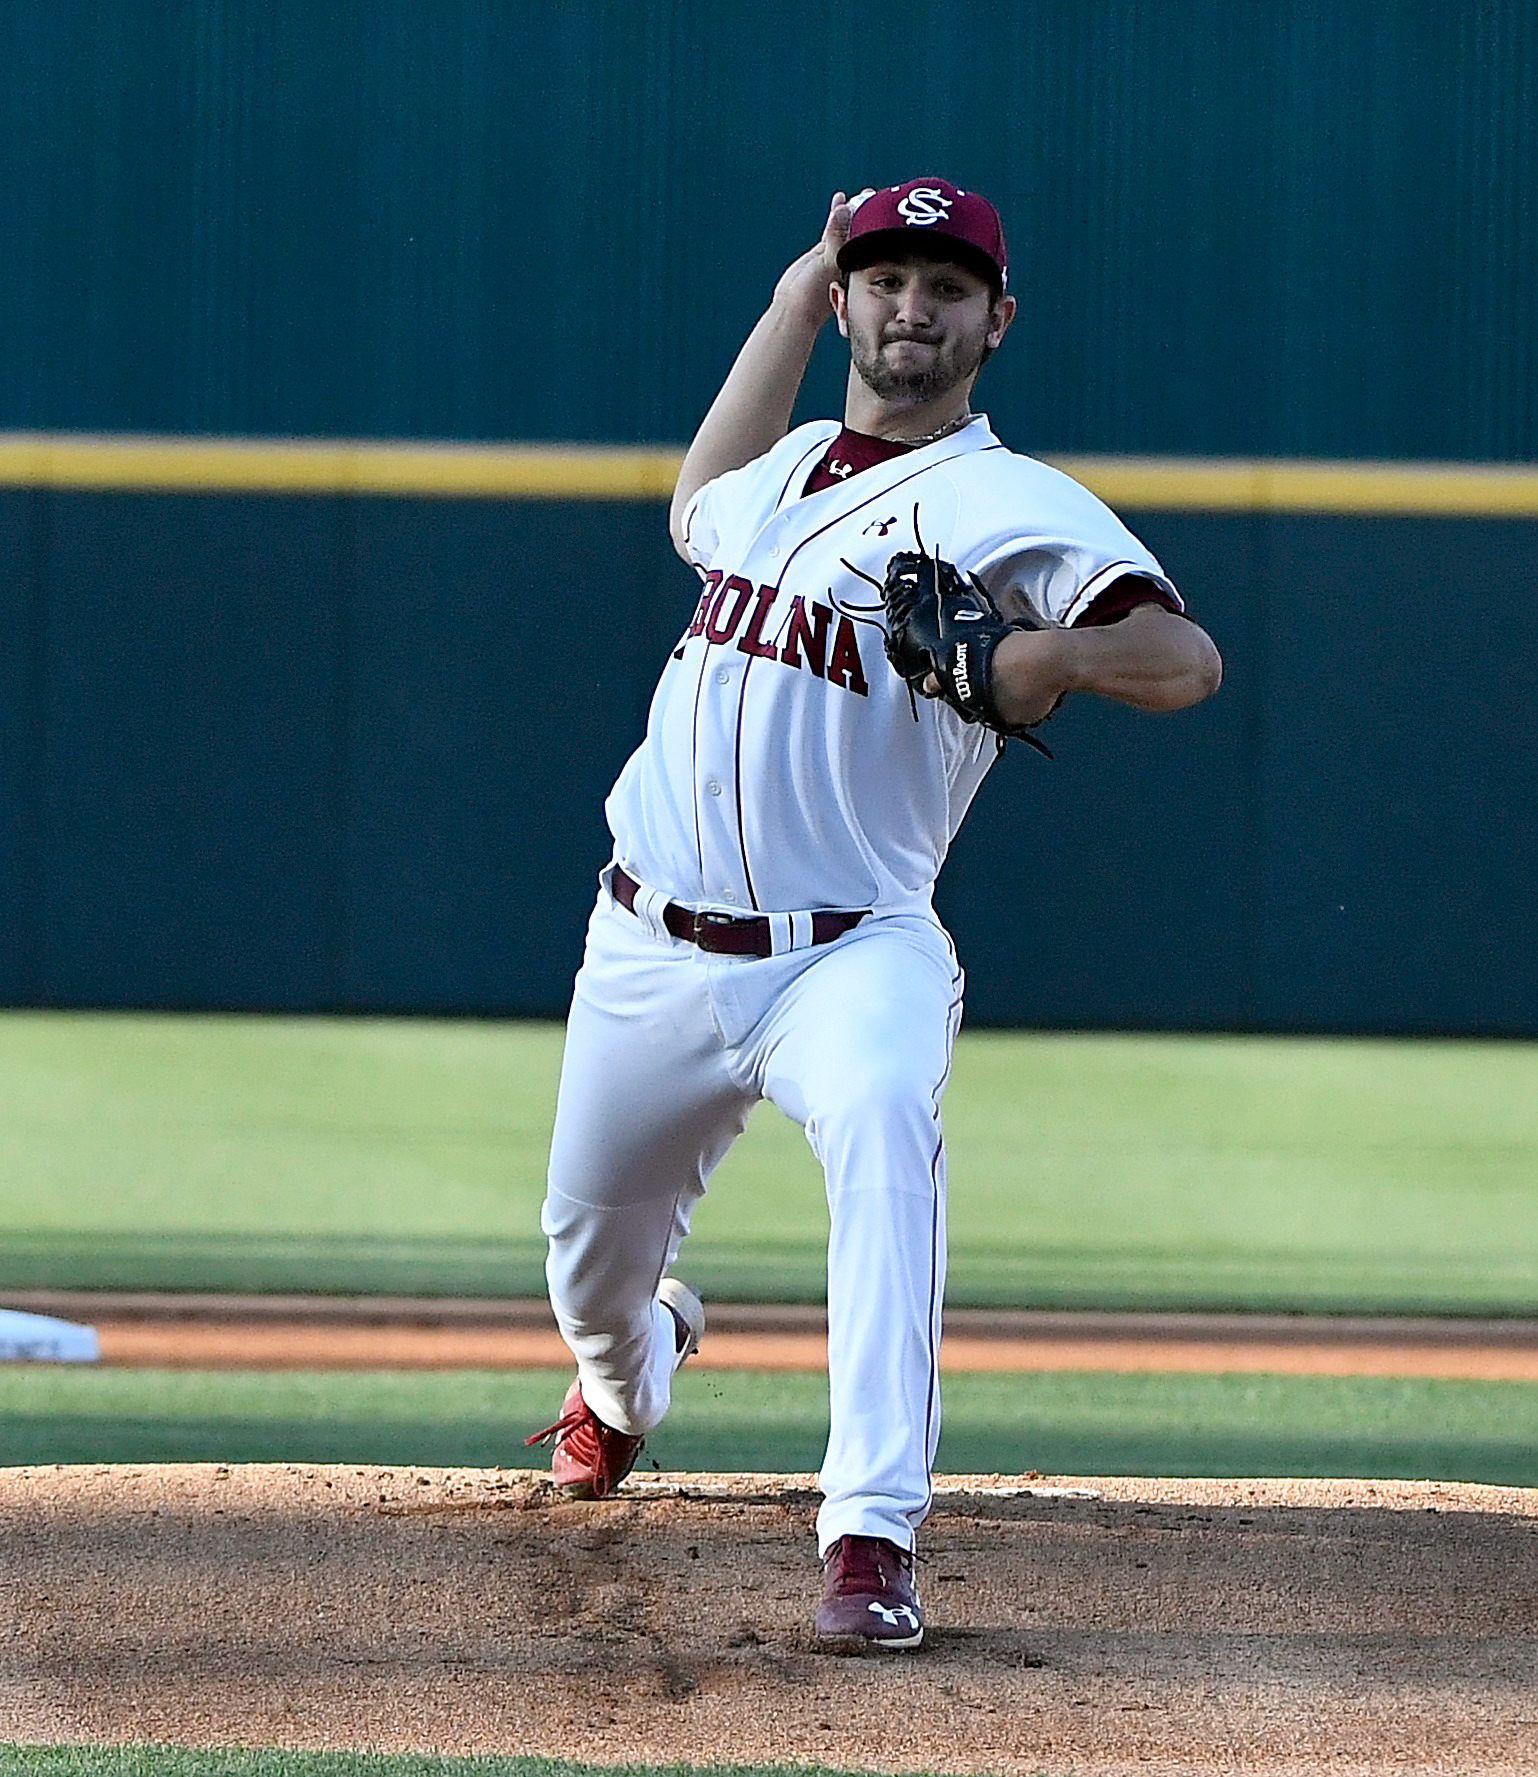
(707, 918)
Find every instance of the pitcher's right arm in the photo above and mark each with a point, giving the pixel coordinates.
(752, 411)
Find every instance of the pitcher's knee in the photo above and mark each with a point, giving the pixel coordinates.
(591, 1267)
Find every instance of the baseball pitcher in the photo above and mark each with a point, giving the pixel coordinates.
(883, 604)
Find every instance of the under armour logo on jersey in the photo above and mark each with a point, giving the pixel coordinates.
(879, 525)
(924, 206)
(841, 469)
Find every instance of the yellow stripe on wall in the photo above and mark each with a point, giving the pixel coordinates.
(104, 461)
(82, 460)
(1261, 484)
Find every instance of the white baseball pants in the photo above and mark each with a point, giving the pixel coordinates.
(667, 1050)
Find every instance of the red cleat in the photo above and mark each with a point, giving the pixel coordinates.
(590, 1459)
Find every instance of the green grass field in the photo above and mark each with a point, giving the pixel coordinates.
(407, 1155)
(369, 1155)
(172, 1761)
(1063, 1422)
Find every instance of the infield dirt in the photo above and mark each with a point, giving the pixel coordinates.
(179, 1331)
(1077, 1626)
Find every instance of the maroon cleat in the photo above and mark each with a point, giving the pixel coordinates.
(868, 1595)
(590, 1459)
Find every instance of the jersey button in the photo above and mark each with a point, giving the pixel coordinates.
(729, 896)
(722, 676)
(713, 787)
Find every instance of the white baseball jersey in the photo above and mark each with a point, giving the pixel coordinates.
(783, 769)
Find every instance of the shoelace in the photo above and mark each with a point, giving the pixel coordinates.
(569, 1421)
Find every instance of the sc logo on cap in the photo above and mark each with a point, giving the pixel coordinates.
(924, 206)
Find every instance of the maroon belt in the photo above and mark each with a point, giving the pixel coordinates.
(720, 932)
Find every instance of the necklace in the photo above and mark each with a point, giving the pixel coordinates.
(940, 432)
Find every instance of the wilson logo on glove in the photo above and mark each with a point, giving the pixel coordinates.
(959, 673)
(927, 600)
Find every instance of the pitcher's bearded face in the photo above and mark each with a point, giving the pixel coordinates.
(917, 328)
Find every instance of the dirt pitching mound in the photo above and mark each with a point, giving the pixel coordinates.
(1077, 1626)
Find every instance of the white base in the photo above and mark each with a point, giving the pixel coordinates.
(40, 1339)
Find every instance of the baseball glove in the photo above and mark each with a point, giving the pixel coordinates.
(940, 622)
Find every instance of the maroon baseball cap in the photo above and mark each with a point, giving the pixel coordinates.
(899, 217)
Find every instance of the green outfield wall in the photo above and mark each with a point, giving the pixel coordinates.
(1283, 228)
(270, 741)
(300, 724)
